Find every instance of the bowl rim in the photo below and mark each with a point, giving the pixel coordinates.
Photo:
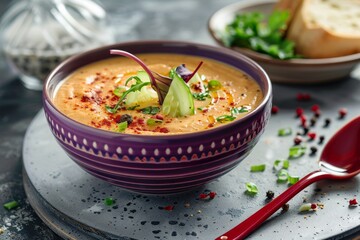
(102, 132)
(264, 58)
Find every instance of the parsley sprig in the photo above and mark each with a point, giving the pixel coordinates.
(233, 111)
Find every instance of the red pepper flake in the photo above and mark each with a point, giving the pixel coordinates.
(315, 108)
(313, 206)
(311, 135)
(299, 111)
(160, 117)
(164, 130)
(274, 109)
(303, 97)
(342, 112)
(169, 208)
(212, 195)
(353, 202)
(303, 120)
(203, 196)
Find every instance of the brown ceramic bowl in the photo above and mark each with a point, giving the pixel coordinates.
(303, 71)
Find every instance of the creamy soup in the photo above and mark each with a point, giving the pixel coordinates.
(84, 95)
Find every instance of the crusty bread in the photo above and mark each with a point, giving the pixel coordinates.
(326, 28)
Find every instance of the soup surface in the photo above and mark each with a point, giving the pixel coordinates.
(84, 95)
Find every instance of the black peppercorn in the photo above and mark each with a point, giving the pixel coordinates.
(285, 207)
(313, 151)
(306, 130)
(327, 122)
(270, 194)
(312, 121)
(126, 118)
(321, 139)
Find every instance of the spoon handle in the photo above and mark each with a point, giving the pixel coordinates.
(246, 227)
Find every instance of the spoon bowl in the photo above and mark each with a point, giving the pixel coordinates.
(339, 160)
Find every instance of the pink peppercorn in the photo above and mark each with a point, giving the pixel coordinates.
(203, 195)
(342, 112)
(274, 109)
(353, 202)
(169, 208)
(315, 108)
(297, 140)
(313, 206)
(312, 135)
(303, 120)
(299, 111)
(212, 195)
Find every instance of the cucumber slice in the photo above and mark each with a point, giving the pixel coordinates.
(179, 100)
(145, 97)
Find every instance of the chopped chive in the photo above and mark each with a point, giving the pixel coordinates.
(225, 118)
(150, 110)
(235, 111)
(133, 107)
(284, 164)
(293, 179)
(153, 121)
(109, 201)
(11, 205)
(251, 188)
(296, 151)
(122, 126)
(282, 176)
(284, 132)
(258, 168)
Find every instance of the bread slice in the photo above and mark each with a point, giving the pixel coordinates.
(326, 28)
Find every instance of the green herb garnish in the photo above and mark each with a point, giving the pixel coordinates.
(251, 188)
(235, 111)
(11, 205)
(214, 85)
(153, 121)
(296, 151)
(122, 126)
(225, 118)
(133, 107)
(150, 110)
(282, 176)
(258, 168)
(284, 164)
(137, 86)
(293, 179)
(109, 201)
(201, 96)
(250, 31)
(284, 132)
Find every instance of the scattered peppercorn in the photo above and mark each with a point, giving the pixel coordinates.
(297, 140)
(353, 202)
(317, 114)
(327, 122)
(126, 118)
(315, 108)
(313, 151)
(313, 121)
(270, 194)
(303, 97)
(203, 196)
(321, 139)
(311, 135)
(303, 120)
(212, 195)
(274, 109)
(306, 130)
(285, 207)
(299, 111)
(169, 208)
(313, 206)
(342, 112)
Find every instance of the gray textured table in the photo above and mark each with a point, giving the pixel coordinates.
(186, 20)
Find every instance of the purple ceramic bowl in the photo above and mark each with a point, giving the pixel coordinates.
(158, 164)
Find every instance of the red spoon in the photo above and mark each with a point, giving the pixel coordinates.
(339, 160)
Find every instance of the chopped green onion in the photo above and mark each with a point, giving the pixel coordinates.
(11, 205)
(153, 121)
(122, 126)
(109, 201)
(150, 110)
(284, 132)
(214, 85)
(251, 188)
(201, 96)
(284, 164)
(296, 151)
(293, 179)
(225, 118)
(235, 111)
(258, 168)
(133, 107)
(282, 176)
